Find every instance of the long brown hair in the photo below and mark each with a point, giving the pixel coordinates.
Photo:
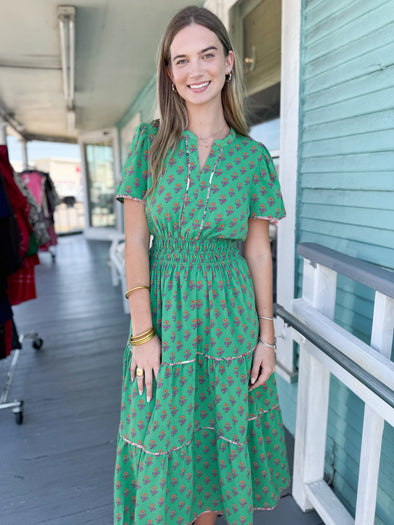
(173, 112)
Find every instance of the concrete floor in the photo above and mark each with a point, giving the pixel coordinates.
(57, 467)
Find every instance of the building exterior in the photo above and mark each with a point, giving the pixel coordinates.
(336, 170)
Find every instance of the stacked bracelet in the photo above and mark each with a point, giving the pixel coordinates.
(135, 288)
(146, 336)
(264, 317)
(268, 344)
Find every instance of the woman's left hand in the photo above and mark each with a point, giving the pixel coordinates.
(263, 365)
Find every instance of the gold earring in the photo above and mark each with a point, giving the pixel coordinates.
(229, 77)
(173, 88)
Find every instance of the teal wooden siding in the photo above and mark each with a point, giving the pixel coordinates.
(144, 103)
(345, 194)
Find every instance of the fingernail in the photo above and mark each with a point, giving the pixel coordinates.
(140, 392)
(148, 399)
(253, 380)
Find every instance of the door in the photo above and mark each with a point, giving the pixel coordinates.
(100, 167)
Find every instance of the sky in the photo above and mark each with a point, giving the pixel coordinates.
(41, 150)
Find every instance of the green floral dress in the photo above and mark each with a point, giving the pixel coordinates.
(204, 442)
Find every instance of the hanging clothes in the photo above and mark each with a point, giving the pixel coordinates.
(36, 217)
(21, 283)
(41, 186)
(10, 262)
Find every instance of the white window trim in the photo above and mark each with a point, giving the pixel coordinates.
(289, 126)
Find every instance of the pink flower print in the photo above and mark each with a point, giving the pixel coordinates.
(219, 218)
(271, 202)
(214, 188)
(241, 339)
(142, 514)
(227, 342)
(160, 190)
(203, 185)
(200, 204)
(229, 210)
(225, 182)
(168, 197)
(222, 199)
(224, 389)
(212, 207)
(263, 190)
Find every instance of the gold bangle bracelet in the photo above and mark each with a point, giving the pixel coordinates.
(135, 288)
(142, 335)
(147, 338)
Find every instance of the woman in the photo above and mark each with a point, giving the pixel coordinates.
(201, 431)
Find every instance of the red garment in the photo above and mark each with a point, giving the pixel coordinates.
(21, 284)
(18, 201)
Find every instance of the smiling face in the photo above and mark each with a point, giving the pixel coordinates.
(198, 65)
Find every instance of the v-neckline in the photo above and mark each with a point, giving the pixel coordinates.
(192, 139)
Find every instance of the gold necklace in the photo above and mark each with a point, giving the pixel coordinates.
(213, 134)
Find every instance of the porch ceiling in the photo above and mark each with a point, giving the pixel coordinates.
(116, 47)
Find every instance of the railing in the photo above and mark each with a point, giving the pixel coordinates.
(326, 348)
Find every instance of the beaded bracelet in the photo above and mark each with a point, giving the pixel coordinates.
(135, 288)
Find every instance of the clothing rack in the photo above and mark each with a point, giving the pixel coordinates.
(23, 230)
(17, 406)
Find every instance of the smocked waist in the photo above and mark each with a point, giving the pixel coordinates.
(181, 249)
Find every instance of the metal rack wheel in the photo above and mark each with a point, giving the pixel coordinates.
(19, 413)
(37, 343)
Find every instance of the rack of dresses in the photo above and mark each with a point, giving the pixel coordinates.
(41, 187)
(22, 230)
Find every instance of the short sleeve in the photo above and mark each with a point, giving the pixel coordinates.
(266, 200)
(135, 173)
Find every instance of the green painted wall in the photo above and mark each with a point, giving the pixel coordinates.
(144, 103)
(346, 191)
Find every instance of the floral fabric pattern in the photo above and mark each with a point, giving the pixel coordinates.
(203, 442)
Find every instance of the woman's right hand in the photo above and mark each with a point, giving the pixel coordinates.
(148, 357)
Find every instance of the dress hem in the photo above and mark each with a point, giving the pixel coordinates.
(221, 513)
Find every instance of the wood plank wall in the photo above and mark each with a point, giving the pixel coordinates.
(346, 190)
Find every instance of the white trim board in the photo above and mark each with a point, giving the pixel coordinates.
(289, 125)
